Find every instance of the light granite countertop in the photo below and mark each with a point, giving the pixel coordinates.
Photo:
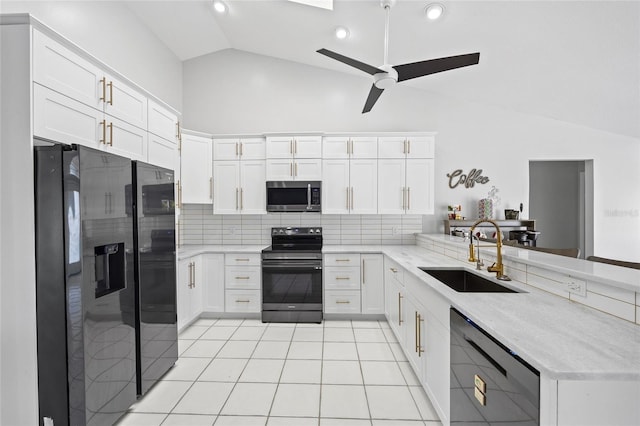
(626, 278)
(562, 339)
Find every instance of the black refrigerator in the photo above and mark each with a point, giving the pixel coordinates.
(85, 298)
(155, 271)
(88, 296)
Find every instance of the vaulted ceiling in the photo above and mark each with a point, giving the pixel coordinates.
(573, 61)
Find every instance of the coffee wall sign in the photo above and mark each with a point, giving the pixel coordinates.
(469, 180)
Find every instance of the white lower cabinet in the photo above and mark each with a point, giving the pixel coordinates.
(414, 338)
(436, 375)
(242, 282)
(242, 301)
(372, 283)
(353, 283)
(189, 292)
(214, 296)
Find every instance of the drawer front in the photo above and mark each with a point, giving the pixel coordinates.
(342, 302)
(242, 301)
(236, 259)
(240, 277)
(342, 259)
(393, 271)
(336, 277)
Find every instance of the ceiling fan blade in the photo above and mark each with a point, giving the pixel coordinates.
(374, 94)
(351, 62)
(432, 66)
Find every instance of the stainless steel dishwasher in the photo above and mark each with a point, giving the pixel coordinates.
(490, 384)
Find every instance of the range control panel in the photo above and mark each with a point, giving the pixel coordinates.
(316, 230)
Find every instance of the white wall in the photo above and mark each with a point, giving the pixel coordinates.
(113, 34)
(238, 92)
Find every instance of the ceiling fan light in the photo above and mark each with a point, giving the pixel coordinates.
(219, 6)
(434, 11)
(342, 33)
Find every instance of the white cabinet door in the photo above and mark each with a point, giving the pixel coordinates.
(163, 153)
(60, 69)
(436, 371)
(226, 149)
(335, 186)
(419, 186)
(372, 279)
(364, 147)
(391, 186)
(415, 335)
(335, 147)
(125, 103)
(252, 187)
(126, 140)
(59, 118)
(252, 149)
(307, 147)
(420, 146)
(213, 287)
(307, 169)
(162, 122)
(363, 186)
(395, 306)
(196, 170)
(392, 147)
(280, 169)
(279, 147)
(226, 187)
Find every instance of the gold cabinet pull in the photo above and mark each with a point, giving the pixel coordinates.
(291, 147)
(394, 270)
(404, 198)
(194, 274)
(103, 123)
(408, 198)
(240, 149)
(242, 260)
(110, 84)
(400, 309)
(343, 278)
(363, 272)
(103, 81)
(339, 302)
(211, 188)
(295, 169)
(295, 146)
(237, 190)
(343, 260)
(110, 134)
(352, 198)
(347, 188)
(237, 150)
(190, 274)
(242, 278)
(241, 199)
(404, 146)
(409, 146)
(419, 321)
(291, 169)
(416, 328)
(243, 301)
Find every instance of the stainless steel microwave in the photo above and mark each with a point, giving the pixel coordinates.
(294, 196)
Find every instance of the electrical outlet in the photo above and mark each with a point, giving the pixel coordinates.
(232, 230)
(394, 230)
(47, 421)
(576, 286)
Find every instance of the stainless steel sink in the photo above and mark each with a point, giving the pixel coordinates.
(463, 281)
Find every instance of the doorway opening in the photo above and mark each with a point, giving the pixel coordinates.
(561, 202)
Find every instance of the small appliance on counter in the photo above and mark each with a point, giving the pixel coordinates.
(292, 276)
(525, 237)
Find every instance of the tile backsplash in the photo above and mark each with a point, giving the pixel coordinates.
(198, 225)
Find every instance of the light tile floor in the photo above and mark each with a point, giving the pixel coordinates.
(244, 372)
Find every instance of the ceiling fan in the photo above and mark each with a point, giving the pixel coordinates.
(387, 75)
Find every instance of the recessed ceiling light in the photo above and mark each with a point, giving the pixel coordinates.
(434, 11)
(219, 6)
(342, 33)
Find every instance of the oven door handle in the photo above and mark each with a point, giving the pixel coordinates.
(313, 266)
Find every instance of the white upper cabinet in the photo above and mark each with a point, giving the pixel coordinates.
(196, 170)
(62, 70)
(349, 147)
(163, 122)
(294, 147)
(123, 102)
(405, 186)
(335, 187)
(239, 187)
(238, 149)
(125, 139)
(363, 175)
(298, 169)
(406, 147)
